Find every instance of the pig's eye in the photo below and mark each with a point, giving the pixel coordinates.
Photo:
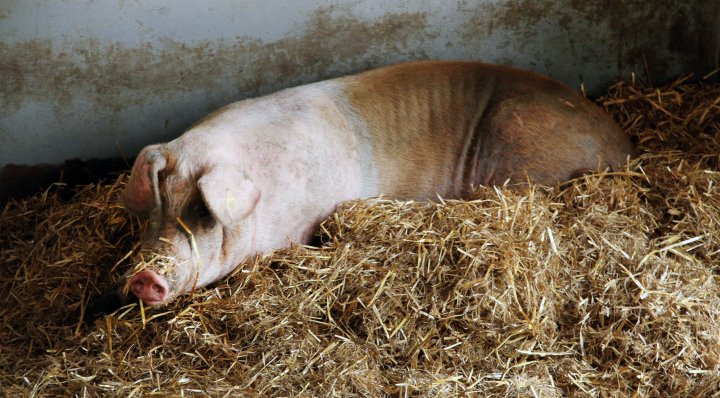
(198, 210)
(202, 210)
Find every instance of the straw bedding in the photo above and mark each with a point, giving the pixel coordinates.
(607, 286)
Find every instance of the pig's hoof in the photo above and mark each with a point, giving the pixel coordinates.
(149, 287)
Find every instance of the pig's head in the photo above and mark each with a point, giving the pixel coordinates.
(200, 218)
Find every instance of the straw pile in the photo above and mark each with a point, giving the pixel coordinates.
(604, 287)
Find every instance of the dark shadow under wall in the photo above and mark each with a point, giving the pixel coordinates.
(19, 181)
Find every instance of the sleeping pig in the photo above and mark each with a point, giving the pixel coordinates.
(261, 173)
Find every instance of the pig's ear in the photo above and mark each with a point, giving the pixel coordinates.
(141, 195)
(228, 193)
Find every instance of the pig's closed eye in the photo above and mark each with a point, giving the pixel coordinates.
(199, 211)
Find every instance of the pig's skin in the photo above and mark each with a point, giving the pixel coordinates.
(261, 173)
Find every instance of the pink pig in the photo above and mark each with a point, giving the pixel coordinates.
(261, 174)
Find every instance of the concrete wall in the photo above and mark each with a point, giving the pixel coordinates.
(103, 78)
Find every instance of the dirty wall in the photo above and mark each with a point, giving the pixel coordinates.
(95, 79)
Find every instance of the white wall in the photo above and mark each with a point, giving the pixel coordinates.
(104, 78)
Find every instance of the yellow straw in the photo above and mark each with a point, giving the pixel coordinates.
(195, 249)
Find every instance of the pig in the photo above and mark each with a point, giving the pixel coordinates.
(260, 174)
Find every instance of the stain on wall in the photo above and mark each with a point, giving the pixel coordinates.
(130, 73)
(169, 84)
(115, 76)
(597, 42)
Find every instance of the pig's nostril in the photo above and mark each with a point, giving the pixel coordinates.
(158, 289)
(137, 285)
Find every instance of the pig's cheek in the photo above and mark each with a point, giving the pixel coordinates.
(235, 247)
(215, 258)
(211, 246)
(181, 274)
(189, 272)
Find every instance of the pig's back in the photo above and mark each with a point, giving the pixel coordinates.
(439, 127)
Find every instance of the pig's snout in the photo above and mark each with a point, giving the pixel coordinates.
(150, 287)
